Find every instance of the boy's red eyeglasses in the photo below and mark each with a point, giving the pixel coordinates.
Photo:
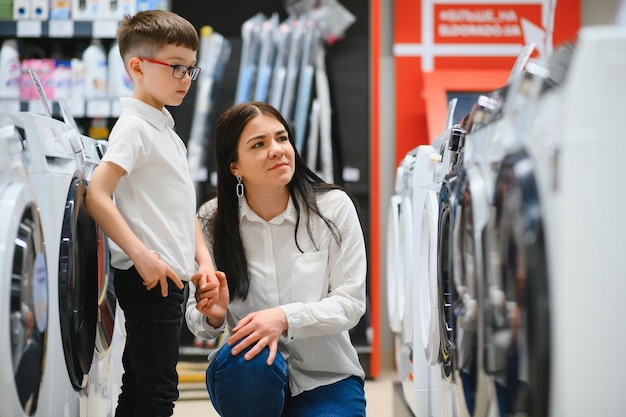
(178, 71)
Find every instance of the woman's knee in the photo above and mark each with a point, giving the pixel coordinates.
(226, 365)
(229, 375)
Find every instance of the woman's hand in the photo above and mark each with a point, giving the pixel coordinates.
(261, 328)
(212, 296)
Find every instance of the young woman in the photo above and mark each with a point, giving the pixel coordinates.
(293, 252)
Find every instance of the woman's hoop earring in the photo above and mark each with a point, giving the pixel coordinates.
(239, 189)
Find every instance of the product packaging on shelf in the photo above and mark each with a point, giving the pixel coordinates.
(10, 70)
(60, 9)
(21, 9)
(119, 8)
(89, 9)
(44, 68)
(77, 89)
(119, 82)
(95, 61)
(39, 9)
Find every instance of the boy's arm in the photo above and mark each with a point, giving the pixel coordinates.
(99, 204)
(205, 279)
(203, 257)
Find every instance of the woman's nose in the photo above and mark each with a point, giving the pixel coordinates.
(276, 150)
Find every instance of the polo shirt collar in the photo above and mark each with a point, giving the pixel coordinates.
(159, 119)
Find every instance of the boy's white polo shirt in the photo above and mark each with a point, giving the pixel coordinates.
(156, 197)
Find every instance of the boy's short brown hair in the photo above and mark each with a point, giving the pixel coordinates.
(147, 32)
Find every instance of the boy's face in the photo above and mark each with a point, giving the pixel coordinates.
(154, 82)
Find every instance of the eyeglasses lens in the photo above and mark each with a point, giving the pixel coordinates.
(181, 70)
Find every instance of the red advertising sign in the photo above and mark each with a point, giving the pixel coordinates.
(484, 23)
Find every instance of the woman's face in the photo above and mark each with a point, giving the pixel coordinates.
(265, 155)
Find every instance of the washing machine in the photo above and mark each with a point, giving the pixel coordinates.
(105, 372)
(590, 228)
(427, 387)
(107, 369)
(501, 116)
(72, 266)
(399, 271)
(463, 211)
(513, 286)
(436, 160)
(23, 282)
(456, 310)
(557, 234)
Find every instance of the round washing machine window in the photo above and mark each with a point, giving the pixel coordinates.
(78, 285)
(445, 270)
(464, 265)
(28, 308)
(517, 333)
(106, 295)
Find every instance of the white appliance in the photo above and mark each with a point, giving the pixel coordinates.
(412, 232)
(495, 122)
(561, 221)
(105, 376)
(23, 282)
(398, 271)
(71, 253)
(105, 372)
(456, 308)
(425, 388)
(466, 207)
(587, 217)
(420, 382)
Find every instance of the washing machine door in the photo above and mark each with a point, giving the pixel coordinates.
(465, 280)
(25, 300)
(78, 285)
(445, 271)
(517, 317)
(429, 309)
(106, 295)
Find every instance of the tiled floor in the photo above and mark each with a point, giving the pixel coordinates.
(194, 400)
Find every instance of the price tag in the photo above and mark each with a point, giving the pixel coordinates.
(98, 108)
(116, 108)
(351, 174)
(36, 106)
(77, 107)
(106, 29)
(29, 28)
(10, 106)
(61, 28)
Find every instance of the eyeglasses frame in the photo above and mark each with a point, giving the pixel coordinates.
(193, 71)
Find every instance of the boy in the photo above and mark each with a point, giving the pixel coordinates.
(154, 233)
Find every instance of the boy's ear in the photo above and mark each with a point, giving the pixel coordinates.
(135, 68)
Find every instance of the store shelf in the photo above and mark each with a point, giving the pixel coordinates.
(101, 29)
(79, 108)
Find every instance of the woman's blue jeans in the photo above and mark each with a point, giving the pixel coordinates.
(251, 388)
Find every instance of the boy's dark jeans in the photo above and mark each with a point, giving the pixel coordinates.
(153, 322)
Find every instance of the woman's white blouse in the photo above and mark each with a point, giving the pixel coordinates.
(321, 290)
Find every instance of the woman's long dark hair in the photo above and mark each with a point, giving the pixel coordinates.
(223, 226)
